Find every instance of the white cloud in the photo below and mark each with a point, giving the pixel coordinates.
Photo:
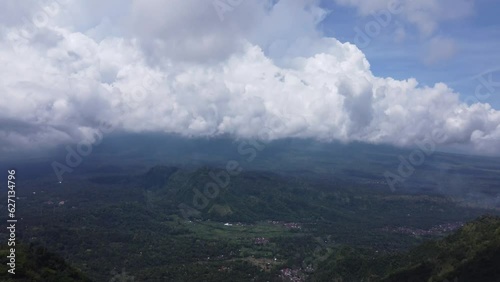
(184, 71)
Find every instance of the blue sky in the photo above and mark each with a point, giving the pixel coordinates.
(476, 37)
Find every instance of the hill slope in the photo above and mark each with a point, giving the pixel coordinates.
(471, 254)
(35, 263)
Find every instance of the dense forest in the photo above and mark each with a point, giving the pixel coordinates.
(162, 225)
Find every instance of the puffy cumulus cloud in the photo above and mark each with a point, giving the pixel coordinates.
(187, 29)
(59, 83)
(208, 31)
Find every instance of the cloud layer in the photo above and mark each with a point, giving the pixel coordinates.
(426, 15)
(181, 68)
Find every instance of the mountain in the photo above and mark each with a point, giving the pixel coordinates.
(471, 254)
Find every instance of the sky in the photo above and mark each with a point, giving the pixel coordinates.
(396, 72)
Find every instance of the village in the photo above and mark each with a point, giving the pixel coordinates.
(434, 231)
